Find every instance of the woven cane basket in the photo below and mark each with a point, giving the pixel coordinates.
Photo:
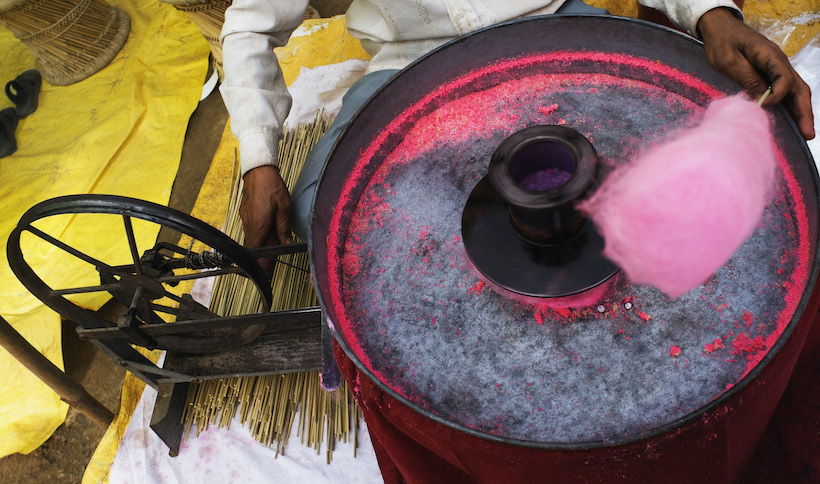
(70, 39)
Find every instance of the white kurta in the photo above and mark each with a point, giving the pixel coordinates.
(394, 32)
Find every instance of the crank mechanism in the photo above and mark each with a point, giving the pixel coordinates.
(200, 343)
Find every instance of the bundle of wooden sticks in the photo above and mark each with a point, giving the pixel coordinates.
(270, 405)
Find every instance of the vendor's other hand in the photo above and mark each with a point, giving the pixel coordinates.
(265, 210)
(750, 59)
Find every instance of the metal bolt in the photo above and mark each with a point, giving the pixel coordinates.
(628, 305)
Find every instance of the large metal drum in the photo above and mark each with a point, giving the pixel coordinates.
(619, 382)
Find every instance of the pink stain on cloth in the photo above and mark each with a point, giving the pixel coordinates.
(673, 216)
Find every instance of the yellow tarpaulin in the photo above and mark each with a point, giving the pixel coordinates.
(318, 42)
(119, 132)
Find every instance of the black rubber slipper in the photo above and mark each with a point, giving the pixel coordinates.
(24, 91)
(8, 123)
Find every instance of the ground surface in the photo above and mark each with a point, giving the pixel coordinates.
(63, 457)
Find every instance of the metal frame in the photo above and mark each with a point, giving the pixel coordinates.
(263, 343)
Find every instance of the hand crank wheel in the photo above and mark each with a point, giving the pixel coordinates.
(140, 282)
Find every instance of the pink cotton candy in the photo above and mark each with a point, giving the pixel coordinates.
(672, 217)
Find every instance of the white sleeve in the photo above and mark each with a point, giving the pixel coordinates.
(253, 89)
(686, 13)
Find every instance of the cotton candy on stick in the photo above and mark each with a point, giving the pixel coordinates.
(672, 217)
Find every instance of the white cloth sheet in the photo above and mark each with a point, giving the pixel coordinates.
(222, 455)
(233, 456)
(321, 88)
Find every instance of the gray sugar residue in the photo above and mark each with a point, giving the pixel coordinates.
(459, 350)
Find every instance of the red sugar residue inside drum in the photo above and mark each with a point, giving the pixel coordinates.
(476, 288)
(744, 345)
(548, 109)
(715, 345)
(747, 316)
(755, 349)
(563, 313)
(559, 305)
(340, 267)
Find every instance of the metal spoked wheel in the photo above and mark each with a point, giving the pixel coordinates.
(187, 249)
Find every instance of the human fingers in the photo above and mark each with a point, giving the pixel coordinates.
(787, 87)
(739, 69)
(256, 220)
(798, 103)
(257, 208)
(282, 220)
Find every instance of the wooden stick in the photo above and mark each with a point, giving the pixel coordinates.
(764, 96)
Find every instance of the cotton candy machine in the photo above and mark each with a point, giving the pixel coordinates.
(443, 293)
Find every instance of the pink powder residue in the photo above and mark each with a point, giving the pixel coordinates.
(476, 288)
(563, 313)
(559, 305)
(548, 109)
(715, 345)
(747, 316)
(562, 305)
(745, 346)
(674, 216)
(755, 349)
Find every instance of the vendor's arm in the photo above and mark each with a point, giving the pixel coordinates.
(739, 52)
(258, 103)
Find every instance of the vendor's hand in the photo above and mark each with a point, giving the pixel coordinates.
(265, 210)
(751, 60)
